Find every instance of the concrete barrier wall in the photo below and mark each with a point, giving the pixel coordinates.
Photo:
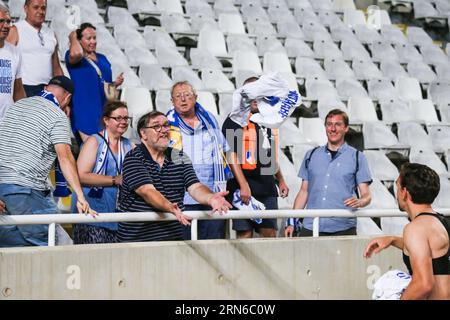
(306, 268)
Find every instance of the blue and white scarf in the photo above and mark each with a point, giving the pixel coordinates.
(222, 171)
(102, 163)
(61, 189)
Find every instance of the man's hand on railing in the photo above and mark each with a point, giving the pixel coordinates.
(83, 207)
(2, 207)
(219, 204)
(289, 231)
(181, 217)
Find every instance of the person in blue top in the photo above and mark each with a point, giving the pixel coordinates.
(88, 70)
(100, 169)
(332, 176)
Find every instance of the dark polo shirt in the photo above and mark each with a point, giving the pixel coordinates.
(171, 180)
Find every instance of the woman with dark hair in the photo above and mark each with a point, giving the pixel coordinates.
(100, 170)
(89, 71)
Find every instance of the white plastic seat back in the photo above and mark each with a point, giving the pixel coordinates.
(418, 37)
(320, 89)
(298, 48)
(154, 35)
(204, 59)
(377, 135)
(169, 6)
(354, 17)
(424, 111)
(298, 152)
(392, 69)
(138, 55)
(381, 197)
(127, 37)
(313, 130)
(175, 23)
(408, 89)
(269, 43)
(231, 23)
(276, 61)
(154, 77)
(408, 53)
(443, 200)
(440, 135)
(380, 165)
(185, 73)
(163, 101)
(207, 101)
(412, 134)
(140, 6)
(427, 157)
(361, 109)
(350, 88)
(439, 92)
(309, 68)
(366, 69)
(169, 56)
(396, 110)
(421, 71)
(118, 16)
(246, 60)
(338, 68)
(216, 80)
(242, 42)
(213, 41)
(381, 89)
(139, 102)
(290, 134)
(326, 105)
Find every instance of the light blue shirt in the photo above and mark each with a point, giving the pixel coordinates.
(331, 182)
(199, 147)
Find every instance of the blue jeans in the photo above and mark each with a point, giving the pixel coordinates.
(26, 201)
(207, 229)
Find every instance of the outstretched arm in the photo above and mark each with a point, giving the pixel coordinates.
(378, 244)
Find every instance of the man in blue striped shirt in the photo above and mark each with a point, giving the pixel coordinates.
(155, 178)
(331, 174)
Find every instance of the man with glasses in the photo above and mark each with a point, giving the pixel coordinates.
(11, 88)
(34, 132)
(197, 133)
(155, 178)
(332, 176)
(38, 46)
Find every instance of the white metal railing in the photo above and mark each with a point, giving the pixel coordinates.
(53, 219)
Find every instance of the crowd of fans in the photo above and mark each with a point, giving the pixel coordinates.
(185, 161)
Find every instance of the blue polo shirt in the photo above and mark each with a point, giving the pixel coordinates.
(331, 181)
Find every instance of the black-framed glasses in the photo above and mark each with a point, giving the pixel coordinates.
(120, 119)
(159, 127)
(8, 21)
(41, 38)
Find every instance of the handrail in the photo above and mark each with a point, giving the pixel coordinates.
(52, 219)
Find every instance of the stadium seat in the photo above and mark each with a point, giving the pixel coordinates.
(439, 92)
(298, 152)
(290, 29)
(163, 101)
(383, 50)
(198, 6)
(412, 134)
(212, 40)
(154, 35)
(313, 131)
(252, 12)
(290, 134)
(117, 16)
(175, 23)
(200, 20)
(443, 71)
(329, 18)
(361, 109)
(276, 61)
(225, 103)
(216, 81)
(427, 157)
(324, 47)
(153, 77)
(141, 6)
(320, 88)
(260, 27)
(354, 17)
(366, 35)
(326, 105)
(424, 111)
(421, 71)
(138, 55)
(418, 37)
(242, 42)
(246, 60)
(337, 68)
(139, 102)
(207, 101)
(231, 23)
(127, 36)
(279, 12)
(266, 44)
(353, 49)
(298, 48)
(381, 197)
(365, 69)
(423, 9)
(395, 110)
(169, 56)
(408, 89)
(440, 135)
(312, 28)
(381, 89)
(169, 6)
(225, 6)
(443, 200)
(204, 59)
(378, 136)
(350, 88)
(380, 165)
(185, 73)
(392, 69)
(408, 53)
(433, 54)
(393, 35)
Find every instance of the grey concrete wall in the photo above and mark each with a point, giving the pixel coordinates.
(323, 268)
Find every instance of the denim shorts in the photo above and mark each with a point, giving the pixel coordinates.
(26, 201)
